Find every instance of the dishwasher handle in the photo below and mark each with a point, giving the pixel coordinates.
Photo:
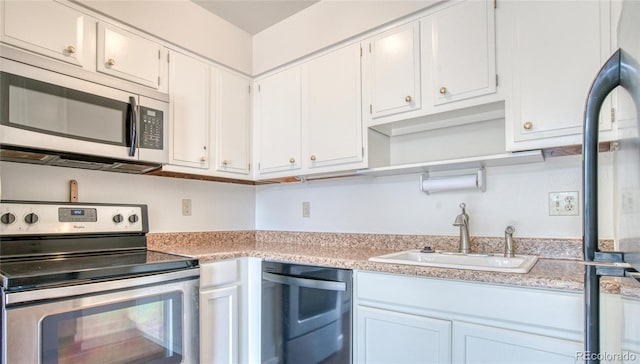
(304, 282)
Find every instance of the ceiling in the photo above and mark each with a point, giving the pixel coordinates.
(254, 15)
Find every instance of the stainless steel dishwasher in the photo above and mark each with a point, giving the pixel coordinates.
(306, 314)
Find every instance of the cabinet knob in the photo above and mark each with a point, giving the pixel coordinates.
(225, 162)
(443, 90)
(408, 98)
(203, 159)
(70, 49)
(527, 125)
(292, 160)
(111, 62)
(313, 157)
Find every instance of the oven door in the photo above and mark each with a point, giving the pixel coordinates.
(136, 320)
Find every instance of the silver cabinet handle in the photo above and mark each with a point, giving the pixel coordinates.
(303, 282)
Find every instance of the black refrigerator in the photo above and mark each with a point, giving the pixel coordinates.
(622, 72)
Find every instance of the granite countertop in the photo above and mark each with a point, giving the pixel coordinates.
(562, 274)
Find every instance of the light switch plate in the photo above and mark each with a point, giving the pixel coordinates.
(564, 204)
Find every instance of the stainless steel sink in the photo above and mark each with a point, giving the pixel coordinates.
(484, 262)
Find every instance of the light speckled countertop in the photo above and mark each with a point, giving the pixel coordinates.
(352, 251)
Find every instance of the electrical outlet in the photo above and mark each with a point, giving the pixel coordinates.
(563, 204)
(629, 201)
(306, 209)
(186, 207)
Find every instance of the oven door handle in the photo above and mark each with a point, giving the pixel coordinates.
(304, 282)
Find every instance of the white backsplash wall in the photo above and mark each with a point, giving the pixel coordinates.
(215, 206)
(516, 195)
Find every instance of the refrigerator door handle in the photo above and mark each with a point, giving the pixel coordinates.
(607, 79)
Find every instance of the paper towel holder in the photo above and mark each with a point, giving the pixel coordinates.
(476, 181)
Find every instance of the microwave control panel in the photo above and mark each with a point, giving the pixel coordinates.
(151, 125)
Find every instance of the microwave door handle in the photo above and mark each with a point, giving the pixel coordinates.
(132, 125)
(306, 283)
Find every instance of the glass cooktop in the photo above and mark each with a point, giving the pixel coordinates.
(32, 273)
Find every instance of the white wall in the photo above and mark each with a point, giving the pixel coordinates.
(215, 206)
(516, 195)
(186, 24)
(323, 24)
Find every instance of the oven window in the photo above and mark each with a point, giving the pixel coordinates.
(137, 331)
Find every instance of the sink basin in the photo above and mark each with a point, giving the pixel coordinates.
(484, 262)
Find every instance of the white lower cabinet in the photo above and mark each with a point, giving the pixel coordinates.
(393, 337)
(404, 319)
(219, 319)
(223, 311)
(485, 344)
(227, 309)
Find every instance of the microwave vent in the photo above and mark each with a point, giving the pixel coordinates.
(59, 162)
(25, 156)
(72, 160)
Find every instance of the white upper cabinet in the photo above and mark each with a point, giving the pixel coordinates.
(128, 56)
(459, 44)
(392, 73)
(46, 27)
(331, 110)
(233, 122)
(553, 51)
(278, 128)
(189, 98)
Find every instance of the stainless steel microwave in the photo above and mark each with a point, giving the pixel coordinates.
(55, 112)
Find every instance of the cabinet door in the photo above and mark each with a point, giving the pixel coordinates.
(189, 98)
(219, 325)
(462, 44)
(233, 124)
(331, 109)
(391, 337)
(46, 27)
(484, 344)
(555, 50)
(393, 72)
(128, 56)
(278, 122)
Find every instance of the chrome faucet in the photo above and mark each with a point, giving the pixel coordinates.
(462, 221)
(508, 241)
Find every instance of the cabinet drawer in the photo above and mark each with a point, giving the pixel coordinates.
(219, 273)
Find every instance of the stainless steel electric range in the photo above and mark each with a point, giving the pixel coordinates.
(79, 285)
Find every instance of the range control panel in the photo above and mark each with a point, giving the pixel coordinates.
(42, 218)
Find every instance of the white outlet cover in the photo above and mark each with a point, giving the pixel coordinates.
(306, 209)
(564, 203)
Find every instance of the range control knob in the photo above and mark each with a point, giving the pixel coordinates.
(133, 218)
(117, 218)
(31, 218)
(8, 218)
